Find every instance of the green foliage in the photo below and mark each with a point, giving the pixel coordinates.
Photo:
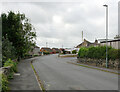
(36, 55)
(98, 52)
(8, 51)
(3, 83)
(46, 53)
(83, 52)
(74, 52)
(12, 64)
(113, 54)
(19, 31)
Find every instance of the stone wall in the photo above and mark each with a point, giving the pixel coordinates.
(112, 64)
(6, 70)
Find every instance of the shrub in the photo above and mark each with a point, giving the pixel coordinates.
(83, 52)
(46, 53)
(11, 63)
(35, 55)
(13, 67)
(113, 54)
(74, 52)
(4, 83)
(99, 53)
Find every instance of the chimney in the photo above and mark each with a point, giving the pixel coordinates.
(96, 41)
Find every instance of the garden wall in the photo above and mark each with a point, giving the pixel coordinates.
(112, 64)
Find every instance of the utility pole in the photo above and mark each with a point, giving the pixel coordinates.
(62, 46)
(82, 36)
(106, 35)
(46, 44)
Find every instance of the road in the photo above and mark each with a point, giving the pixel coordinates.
(56, 74)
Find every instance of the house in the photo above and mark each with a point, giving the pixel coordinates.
(114, 43)
(46, 49)
(35, 51)
(62, 50)
(55, 50)
(86, 43)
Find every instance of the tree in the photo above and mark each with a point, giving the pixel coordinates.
(18, 29)
(8, 51)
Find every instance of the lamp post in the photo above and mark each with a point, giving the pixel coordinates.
(106, 6)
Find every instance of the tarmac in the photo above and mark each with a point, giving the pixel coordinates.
(25, 79)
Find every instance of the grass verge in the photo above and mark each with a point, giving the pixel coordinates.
(93, 68)
(38, 78)
(67, 56)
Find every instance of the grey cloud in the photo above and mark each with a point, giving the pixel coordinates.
(70, 19)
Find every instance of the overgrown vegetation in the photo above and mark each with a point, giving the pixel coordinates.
(3, 83)
(8, 51)
(98, 53)
(74, 52)
(19, 33)
(4, 78)
(13, 67)
(17, 37)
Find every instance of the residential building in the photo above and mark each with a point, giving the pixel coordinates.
(46, 49)
(56, 50)
(115, 43)
(35, 51)
(86, 43)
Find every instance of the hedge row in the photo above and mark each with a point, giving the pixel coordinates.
(99, 53)
(4, 82)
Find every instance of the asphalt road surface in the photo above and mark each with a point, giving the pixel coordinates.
(56, 74)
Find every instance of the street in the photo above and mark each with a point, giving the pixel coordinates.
(56, 74)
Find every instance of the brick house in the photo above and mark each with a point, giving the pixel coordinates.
(46, 49)
(55, 50)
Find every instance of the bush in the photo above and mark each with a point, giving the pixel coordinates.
(74, 52)
(83, 52)
(46, 53)
(113, 54)
(3, 83)
(13, 67)
(98, 53)
(11, 63)
(35, 55)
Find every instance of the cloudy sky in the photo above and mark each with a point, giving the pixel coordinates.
(61, 23)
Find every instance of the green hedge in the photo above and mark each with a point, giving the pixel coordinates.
(46, 53)
(98, 53)
(74, 52)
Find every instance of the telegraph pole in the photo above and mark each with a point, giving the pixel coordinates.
(82, 36)
(46, 44)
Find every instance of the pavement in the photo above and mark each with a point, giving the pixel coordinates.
(56, 74)
(25, 78)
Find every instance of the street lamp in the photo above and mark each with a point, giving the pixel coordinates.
(106, 6)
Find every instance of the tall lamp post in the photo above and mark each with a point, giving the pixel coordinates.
(106, 6)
